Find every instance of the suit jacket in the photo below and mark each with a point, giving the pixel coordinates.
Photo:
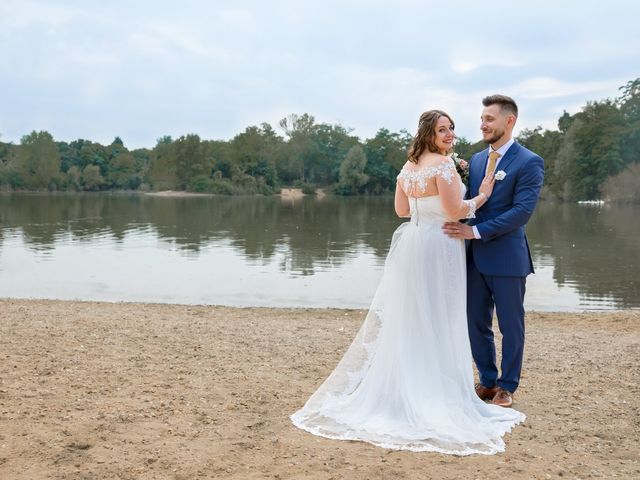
(503, 248)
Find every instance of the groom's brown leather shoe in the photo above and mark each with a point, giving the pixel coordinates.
(486, 393)
(503, 398)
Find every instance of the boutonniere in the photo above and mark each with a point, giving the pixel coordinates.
(462, 167)
(500, 174)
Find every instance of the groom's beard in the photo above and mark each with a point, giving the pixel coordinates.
(497, 135)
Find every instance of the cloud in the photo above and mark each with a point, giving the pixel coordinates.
(142, 69)
(20, 14)
(468, 66)
(547, 87)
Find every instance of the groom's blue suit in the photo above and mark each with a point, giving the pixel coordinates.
(499, 262)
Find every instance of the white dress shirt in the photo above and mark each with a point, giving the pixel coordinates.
(502, 150)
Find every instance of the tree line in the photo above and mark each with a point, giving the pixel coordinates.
(593, 154)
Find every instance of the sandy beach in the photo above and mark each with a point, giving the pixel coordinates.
(139, 391)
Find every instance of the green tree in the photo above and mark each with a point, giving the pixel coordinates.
(142, 162)
(191, 160)
(386, 153)
(300, 149)
(38, 160)
(465, 149)
(352, 176)
(629, 104)
(9, 176)
(116, 148)
(221, 153)
(330, 144)
(73, 178)
(122, 171)
(94, 154)
(255, 152)
(162, 172)
(92, 179)
(565, 121)
(597, 132)
(545, 143)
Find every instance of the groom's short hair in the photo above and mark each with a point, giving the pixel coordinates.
(507, 104)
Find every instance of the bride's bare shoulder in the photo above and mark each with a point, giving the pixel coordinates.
(433, 160)
(427, 165)
(409, 166)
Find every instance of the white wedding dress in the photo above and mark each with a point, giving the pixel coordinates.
(406, 382)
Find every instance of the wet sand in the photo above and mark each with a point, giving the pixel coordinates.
(137, 391)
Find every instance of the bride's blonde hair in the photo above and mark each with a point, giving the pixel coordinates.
(426, 135)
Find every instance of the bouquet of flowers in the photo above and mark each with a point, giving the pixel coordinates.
(462, 167)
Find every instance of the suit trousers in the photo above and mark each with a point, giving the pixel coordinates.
(506, 294)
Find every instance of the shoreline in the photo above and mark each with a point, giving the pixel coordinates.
(136, 390)
(361, 309)
(285, 192)
(320, 193)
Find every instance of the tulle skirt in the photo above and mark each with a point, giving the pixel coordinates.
(406, 382)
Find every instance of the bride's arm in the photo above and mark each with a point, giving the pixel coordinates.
(449, 189)
(401, 202)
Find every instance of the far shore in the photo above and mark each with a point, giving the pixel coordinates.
(92, 390)
(285, 193)
(177, 193)
(288, 193)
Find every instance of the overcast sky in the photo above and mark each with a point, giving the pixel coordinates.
(144, 69)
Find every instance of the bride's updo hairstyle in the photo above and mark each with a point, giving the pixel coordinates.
(425, 138)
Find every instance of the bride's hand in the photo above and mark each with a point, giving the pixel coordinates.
(486, 187)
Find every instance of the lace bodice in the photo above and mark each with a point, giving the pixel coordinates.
(427, 206)
(414, 180)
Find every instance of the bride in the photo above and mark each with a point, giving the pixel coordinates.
(406, 381)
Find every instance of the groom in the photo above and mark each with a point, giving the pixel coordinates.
(498, 257)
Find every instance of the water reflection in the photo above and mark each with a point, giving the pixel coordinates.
(592, 248)
(316, 232)
(257, 250)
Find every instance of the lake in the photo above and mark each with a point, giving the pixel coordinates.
(271, 251)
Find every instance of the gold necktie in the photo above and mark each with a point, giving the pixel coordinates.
(493, 157)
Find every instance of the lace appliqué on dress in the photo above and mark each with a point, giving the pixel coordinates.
(472, 208)
(418, 178)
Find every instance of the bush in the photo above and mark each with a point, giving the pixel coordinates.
(247, 185)
(222, 186)
(216, 185)
(307, 188)
(133, 182)
(200, 184)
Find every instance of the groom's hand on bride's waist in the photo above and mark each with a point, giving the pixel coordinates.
(458, 230)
